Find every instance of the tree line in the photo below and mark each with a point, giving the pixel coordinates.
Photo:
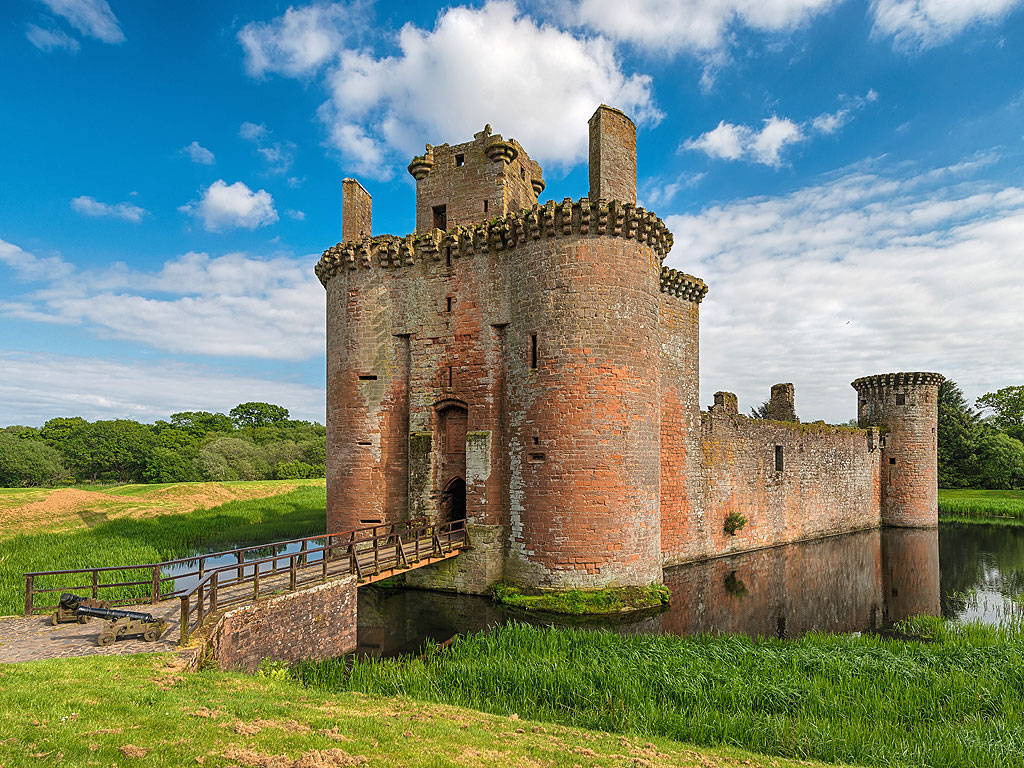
(981, 446)
(254, 441)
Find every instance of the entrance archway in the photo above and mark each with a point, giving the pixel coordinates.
(453, 502)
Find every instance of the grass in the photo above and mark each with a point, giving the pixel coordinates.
(142, 710)
(955, 697)
(166, 536)
(974, 506)
(579, 602)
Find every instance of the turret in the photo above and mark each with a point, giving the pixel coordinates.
(612, 156)
(356, 211)
(905, 406)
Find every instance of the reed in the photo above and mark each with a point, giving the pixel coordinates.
(981, 506)
(953, 696)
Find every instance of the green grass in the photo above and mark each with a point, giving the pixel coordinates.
(142, 710)
(578, 602)
(129, 541)
(974, 506)
(955, 698)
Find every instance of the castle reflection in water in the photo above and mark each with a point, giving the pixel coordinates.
(861, 582)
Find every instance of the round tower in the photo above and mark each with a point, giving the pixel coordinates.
(905, 406)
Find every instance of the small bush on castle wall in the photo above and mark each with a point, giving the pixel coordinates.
(734, 522)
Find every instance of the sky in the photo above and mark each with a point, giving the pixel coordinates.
(846, 175)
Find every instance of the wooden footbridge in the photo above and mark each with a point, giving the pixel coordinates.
(370, 554)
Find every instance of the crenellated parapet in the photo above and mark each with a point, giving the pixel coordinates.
(566, 219)
(682, 285)
(904, 378)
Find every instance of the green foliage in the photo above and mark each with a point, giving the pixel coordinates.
(125, 541)
(734, 522)
(295, 470)
(1002, 461)
(959, 430)
(952, 701)
(981, 506)
(257, 414)
(1007, 406)
(26, 462)
(579, 602)
(761, 411)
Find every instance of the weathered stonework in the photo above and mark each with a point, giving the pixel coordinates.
(533, 369)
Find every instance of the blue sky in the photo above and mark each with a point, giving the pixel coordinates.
(845, 174)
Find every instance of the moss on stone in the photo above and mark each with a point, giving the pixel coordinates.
(578, 602)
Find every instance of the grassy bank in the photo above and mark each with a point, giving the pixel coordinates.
(955, 700)
(973, 506)
(146, 539)
(143, 710)
(578, 602)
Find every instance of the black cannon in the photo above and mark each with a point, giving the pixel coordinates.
(123, 623)
(69, 602)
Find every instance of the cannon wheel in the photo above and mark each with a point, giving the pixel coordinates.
(106, 638)
(149, 636)
(84, 619)
(53, 619)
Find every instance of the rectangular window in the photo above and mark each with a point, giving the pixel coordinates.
(892, 461)
(537, 458)
(448, 255)
(460, 160)
(485, 206)
(778, 458)
(367, 377)
(449, 375)
(440, 216)
(901, 399)
(449, 303)
(365, 442)
(522, 174)
(533, 351)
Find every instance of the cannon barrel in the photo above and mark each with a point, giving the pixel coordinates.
(69, 601)
(113, 613)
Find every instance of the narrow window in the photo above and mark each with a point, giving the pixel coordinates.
(537, 458)
(901, 399)
(440, 217)
(367, 377)
(449, 303)
(485, 206)
(460, 160)
(365, 442)
(448, 255)
(536, 440)
(449, 375)
(892, 461)
(778, 458)
(522, 174)
(533, 350)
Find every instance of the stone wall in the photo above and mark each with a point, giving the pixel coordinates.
(356, 211)
(612, 156)
(314, 623)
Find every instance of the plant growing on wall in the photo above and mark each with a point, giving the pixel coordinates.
(734, 522)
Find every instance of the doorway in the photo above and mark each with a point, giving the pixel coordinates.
(453, 502)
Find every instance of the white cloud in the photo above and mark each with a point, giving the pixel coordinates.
(301, 41)
(29, 267)
(233, 305)
(90, 17)
(90, 206)
(294, 214)
(199, 154)
(541, 85)
(226, 206)
(695, 26)
(657, 192)
(867, 273)
(918, 24)
(36, 387)
(50, 39)
(279, 154)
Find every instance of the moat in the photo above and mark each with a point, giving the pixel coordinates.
(861, 582)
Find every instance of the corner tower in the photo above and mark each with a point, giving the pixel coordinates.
(905, 405)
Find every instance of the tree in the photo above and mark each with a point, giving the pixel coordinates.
(1007, 406)
(257, 414)
(959, 431)
(231, 458)
(1002, 461)
(167, 465)
(761, 411)
(117, 449)
(56, 431)
(28, 462)
(201, 423)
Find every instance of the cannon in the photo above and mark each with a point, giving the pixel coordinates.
(124, 623)
(68, 603)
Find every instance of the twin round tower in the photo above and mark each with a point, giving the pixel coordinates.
(532, 369)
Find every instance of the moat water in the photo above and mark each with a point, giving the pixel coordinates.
(862, 582)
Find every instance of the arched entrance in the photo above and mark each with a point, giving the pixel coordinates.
(453, 502)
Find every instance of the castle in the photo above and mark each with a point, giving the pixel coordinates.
(533, 369)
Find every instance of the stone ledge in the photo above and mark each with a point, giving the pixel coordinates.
(503, 233)
(682, 285)
(904, 378)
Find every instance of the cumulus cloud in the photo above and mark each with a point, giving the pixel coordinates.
(918, 24)
(224, 206)
(28, 267)
(295, 214)
(542, 86)
(199, 154)
(100, 388)
(90, 206)
(233, 305)
(301, 41)
(866, 273)
(279, 154)
(51, 39)
(696, 26)
(90, 17)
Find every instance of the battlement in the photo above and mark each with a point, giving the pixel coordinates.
(682, 285)
(904, 378)
(566, 219)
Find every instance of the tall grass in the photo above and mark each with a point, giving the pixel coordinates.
(126, 541)
(954, 699)
(982, 506)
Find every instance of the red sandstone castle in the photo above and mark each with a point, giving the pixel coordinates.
(533, 369)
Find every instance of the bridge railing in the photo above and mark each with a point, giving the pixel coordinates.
(370, 554)
(151, 584)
